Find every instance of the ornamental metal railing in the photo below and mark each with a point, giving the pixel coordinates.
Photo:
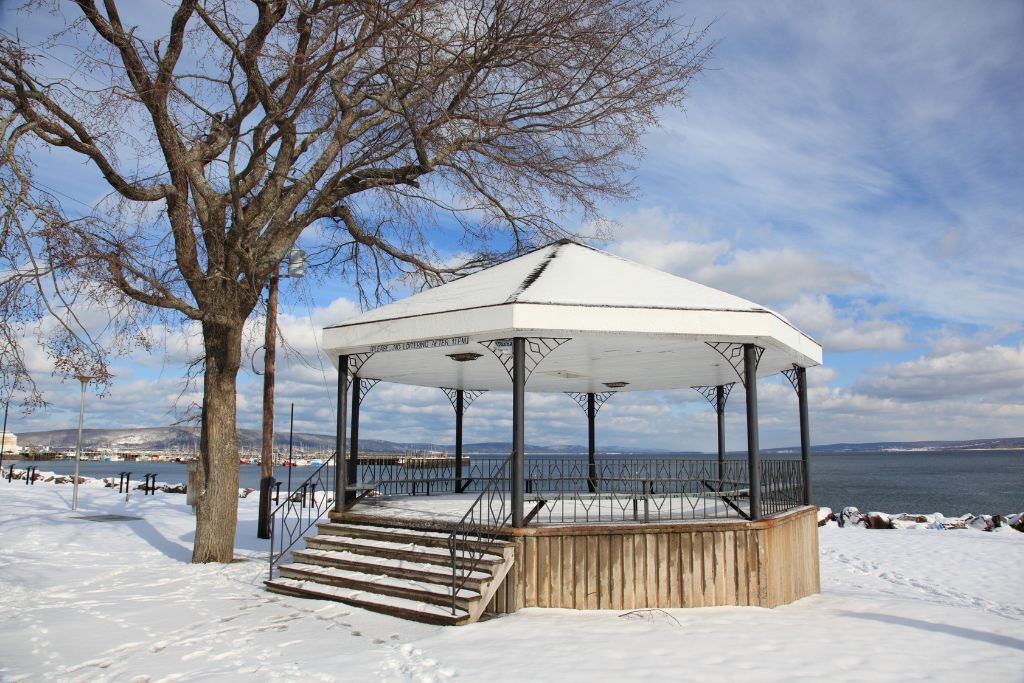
(637, 490)
(302, 507)
(782, 485)
(480, 528)
(618, 489)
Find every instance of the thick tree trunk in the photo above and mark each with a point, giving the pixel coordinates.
(217, 500)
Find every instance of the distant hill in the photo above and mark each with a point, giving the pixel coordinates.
(882, 446)
(186, 439)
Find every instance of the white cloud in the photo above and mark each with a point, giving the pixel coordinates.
(816, 315)
(993, 371)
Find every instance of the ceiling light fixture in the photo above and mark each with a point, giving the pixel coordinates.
(464, 357)
(615, 385)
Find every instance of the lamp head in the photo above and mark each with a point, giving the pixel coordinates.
(296, 263)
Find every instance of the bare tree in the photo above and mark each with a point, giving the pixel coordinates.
(226, 132)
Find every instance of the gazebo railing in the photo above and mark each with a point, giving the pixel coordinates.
(622, 489)
(638, 490)
(479, 528)
(302, 507)
(782, 485)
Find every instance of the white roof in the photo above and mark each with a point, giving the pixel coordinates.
(625, 322)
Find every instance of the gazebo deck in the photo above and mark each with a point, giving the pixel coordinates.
(695, 562)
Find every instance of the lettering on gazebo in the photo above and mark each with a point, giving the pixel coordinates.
(440, 343)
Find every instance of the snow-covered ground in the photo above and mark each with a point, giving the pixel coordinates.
(119, 601)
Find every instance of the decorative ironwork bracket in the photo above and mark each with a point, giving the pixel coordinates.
(357, 360)
(468, 396)
(711, 394)
(791, 375)
(537, 349)
(581, 398)
(365, 384)
(733, 354)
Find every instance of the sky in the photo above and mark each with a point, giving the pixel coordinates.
(855, 166)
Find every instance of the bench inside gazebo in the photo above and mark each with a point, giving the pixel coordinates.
(447, 538)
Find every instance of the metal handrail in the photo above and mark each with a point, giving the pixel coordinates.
(484, 531)
(300, 510)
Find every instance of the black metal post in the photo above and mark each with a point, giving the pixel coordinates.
(460, 409)
(720, 409)
(3, 433)
(753, 454)
(805, 431)
(340, 471)
(518, 427)
(591, 443)
(353, 458)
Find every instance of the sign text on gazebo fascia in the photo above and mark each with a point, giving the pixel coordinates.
(421, 344)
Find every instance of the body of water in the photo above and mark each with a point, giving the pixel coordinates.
(950, 482)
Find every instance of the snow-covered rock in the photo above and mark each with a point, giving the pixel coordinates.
(825, 515)
(851, 516)
(878, 520)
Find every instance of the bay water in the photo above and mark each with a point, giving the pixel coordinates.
(950, 482)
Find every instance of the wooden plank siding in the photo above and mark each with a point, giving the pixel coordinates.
(699, 564)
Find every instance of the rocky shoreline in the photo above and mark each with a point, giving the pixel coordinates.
(854, 518)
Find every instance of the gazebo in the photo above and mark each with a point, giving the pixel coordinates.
(568, 318)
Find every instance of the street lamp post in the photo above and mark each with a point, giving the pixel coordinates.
(296, 269)
(84, 379)
(3, 434)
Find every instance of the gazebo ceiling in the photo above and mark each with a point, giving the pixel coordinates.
(615, 321)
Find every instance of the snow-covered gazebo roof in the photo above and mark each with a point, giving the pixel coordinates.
(600, 320)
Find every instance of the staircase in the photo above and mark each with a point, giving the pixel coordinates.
(400, 571)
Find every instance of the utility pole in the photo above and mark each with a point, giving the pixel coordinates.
(84, 379)
(296, 269)
(3, 434)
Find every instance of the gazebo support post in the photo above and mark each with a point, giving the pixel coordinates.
(591, 442)
(805, 431)
(518, 427)
(753, 454)
(720, 410)
(353, 460)
(340, 471)
(460, 409)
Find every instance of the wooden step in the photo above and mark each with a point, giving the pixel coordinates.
(434, 539)
(382, 584)
(399, 607)
(406, 569)
(398, 551)
(397, 570)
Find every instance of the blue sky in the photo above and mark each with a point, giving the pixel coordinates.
(856, 166)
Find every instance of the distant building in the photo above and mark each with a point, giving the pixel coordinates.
(10, 443)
